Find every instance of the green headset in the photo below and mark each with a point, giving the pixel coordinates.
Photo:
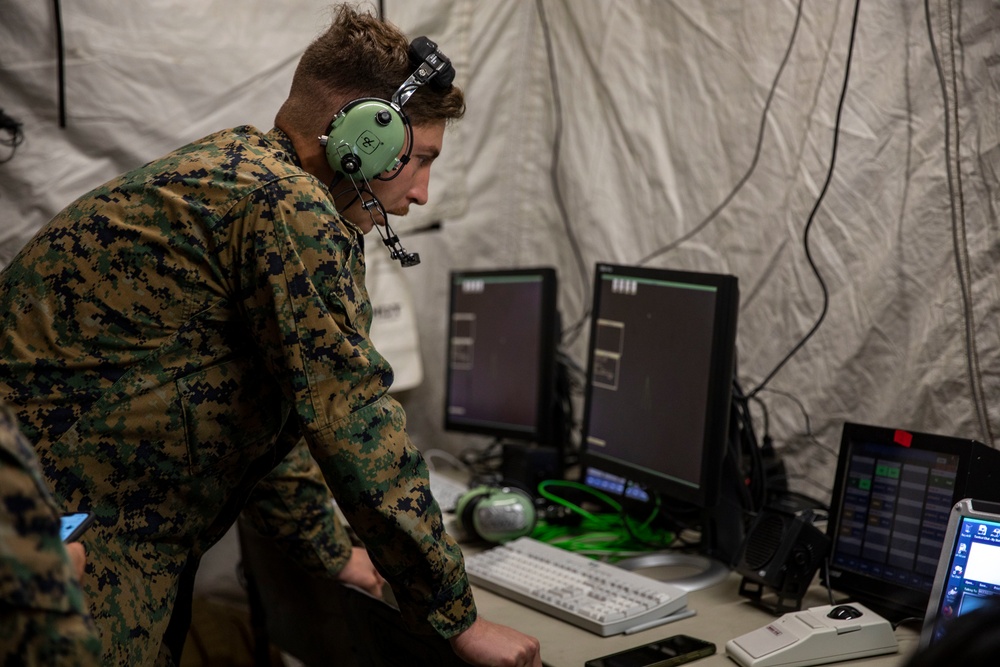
(496, 514)
(372, 138)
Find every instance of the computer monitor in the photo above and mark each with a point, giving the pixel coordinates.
(892, 497)
(659, 386)
(502, 337)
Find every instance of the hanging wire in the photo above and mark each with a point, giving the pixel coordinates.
(571, 332)
(60, 63)
(756, 155)
(959, 237)
(812, 214)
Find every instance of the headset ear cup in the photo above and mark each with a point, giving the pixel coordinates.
(366, 137)
(496, 514)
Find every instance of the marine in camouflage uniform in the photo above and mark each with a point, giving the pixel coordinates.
(170, 336)
(43, 619)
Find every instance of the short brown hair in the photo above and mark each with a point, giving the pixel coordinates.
(359, 55)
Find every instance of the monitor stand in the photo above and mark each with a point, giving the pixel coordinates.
(688, 571)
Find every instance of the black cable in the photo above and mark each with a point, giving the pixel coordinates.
(743, 442)
(815, 209)
(826, 580)
(916, 620)
(765, 415)
(958, 237)
(484, 464)
(812, 438)
(60, 64)
(571, 332)
(756, 155)
(805, 415)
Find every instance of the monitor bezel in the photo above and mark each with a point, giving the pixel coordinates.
(892, 600)
(718, 395)
(542, 432)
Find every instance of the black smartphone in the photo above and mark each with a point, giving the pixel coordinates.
(71, 526)
(675, 650)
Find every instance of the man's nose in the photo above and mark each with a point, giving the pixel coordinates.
(418, 193)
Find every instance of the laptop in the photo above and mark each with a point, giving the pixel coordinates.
(968, 572)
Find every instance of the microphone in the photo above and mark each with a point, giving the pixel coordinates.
(396, 250)
(371, 204)
(389, 238)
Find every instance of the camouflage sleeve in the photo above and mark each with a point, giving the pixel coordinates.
(301, 270)
(43, 619)
(388, 494)
(294, 507)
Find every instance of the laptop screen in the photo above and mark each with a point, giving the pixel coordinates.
(968, 573)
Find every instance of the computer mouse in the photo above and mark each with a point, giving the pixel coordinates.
(844, 612)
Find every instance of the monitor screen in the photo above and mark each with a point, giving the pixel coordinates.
(659, 382)
(892, 497)
(502, 337)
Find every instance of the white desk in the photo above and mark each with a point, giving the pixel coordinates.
(721, 615)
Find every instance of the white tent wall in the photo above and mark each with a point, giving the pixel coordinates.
(627, 131)
(652, 125)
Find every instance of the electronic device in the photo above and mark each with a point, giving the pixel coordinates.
(893, 493)
(371, 138)
(816, 636)
(495, 513)
(596, 596)
(669, 652)
(72, 525)
(968, 571)
(503, 328)
(658, 394)
(781, 553)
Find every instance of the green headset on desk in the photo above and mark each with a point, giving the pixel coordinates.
(496, 513)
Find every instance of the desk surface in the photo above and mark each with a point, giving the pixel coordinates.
(721, 614)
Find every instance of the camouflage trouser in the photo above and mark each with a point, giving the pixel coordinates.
(131, 590)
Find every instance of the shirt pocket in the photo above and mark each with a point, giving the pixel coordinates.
(231, 410)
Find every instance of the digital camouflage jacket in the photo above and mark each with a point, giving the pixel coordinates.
(169, 336)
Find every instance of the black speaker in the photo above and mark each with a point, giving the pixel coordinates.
(782, 551)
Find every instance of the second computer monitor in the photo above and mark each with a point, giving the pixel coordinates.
(659, 383)
(502, 336)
